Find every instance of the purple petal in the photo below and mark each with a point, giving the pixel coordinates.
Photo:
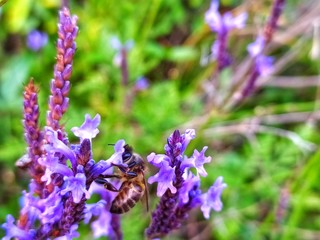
(188, 185)
(56, 145)
(158, 160)
(93, 209)
(165, 178)
(12, 231)
(199, 159)
(188, 136)
(211, 199)
(264, 65)
(235, 22)
(77, 186)
(88, 129)
(101, 227)
(213, 17)
(256, 47)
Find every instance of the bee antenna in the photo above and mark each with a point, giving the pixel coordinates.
(111, 144)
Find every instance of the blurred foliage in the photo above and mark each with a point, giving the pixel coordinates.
(170, 38)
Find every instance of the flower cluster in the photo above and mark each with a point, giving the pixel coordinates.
(64, 175)
(246, 74)
(61, 173)
(178, 188)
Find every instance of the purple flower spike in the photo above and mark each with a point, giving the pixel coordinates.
(178, 188)
(60, 85)
(88, 129)
(33, 136)
(211, 199)
(37, 40)
(222, 25)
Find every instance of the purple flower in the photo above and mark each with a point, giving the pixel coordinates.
(165, 178)
(37, 40)
(256, 48)
(263, 63)
(88, 129)
(77, 186)
(198, 159)
(101, 226)
(141, 84)
(219, 23)
(211, 199)
(188, 185)
(12, 231)
(93, 210)
(51, 207)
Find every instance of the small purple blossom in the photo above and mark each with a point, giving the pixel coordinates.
(198, 159)
(211, 199)
(88, 129)
(165, 178)
(77, 186)
(219, 23)
(101, 226)
(141, 84)
(93, 209)
(37, 40)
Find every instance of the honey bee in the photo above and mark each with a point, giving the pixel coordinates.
(134, 185)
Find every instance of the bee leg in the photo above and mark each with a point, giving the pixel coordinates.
(122, 169)
(132, 174)
(106, 184)
(109, 176)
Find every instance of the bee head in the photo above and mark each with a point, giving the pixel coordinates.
(127, 154)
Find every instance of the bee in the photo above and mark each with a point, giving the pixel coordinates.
(133, 186)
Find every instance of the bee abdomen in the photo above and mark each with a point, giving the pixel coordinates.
(127, 198)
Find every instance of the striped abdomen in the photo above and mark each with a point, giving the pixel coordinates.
(129, 194)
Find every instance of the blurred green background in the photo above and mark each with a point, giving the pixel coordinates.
(265, 148)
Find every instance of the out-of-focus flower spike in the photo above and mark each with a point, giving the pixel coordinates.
(33, 136)
(60, 85)
(277, 9)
